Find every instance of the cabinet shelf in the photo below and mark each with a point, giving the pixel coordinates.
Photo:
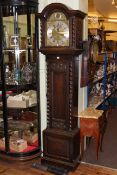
(97, 80)
(17, 50)
(100, 90)
(27, 107)
(29, 148)
(100, 79)
(96, 101)
(21, 85)
(110, 73)
(13, 50)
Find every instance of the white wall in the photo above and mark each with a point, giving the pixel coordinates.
(83, 5)
(82, 91)
(75, 4)
(71, 3)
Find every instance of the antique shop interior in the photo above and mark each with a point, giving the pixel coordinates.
(58, 78)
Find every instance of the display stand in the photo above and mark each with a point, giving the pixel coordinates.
(20, 136)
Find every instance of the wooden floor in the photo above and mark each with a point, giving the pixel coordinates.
(24, 168)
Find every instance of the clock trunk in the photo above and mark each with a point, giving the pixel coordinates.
(61, 138)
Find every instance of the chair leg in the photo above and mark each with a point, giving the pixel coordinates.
(98, 137)
(82, 145)
(101, 139)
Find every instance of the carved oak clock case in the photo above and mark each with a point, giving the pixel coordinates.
(61, 42)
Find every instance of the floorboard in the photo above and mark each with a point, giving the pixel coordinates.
(25, 168)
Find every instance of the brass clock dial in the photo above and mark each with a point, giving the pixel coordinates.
(58, 30)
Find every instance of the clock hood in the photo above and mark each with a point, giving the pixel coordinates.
(61, 7)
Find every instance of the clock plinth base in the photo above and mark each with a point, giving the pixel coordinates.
(61, 148)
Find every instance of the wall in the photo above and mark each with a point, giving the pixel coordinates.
(111, 26)
(22, 24)
(77, 5)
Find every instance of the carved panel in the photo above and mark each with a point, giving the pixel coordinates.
(59, 92)
(66, 144)
(79, 33)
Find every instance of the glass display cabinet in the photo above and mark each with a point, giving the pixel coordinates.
(19, 80)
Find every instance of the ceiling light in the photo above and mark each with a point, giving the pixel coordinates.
(112, 20)
(113, 2)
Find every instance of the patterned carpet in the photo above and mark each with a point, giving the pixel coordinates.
(108, 156)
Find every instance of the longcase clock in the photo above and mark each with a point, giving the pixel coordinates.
(61, 43)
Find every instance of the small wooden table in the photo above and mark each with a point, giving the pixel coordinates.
(91, 125)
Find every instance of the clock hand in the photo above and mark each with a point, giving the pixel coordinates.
(63, 32)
